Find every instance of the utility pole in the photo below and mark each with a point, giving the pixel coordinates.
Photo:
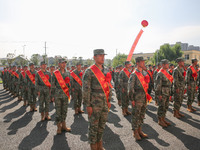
(45, 48)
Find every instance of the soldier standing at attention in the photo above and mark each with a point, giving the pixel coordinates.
(30, 81)
(96, 95)
(42, 86)
(162, 91)
(61, 81)
(138, 94)
(191, 81)
(52, 69)
(151, 83)
(76, 86)
(123, 82)
(178, 87)
(18, 91)
(22, 85)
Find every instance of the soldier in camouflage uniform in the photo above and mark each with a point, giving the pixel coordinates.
(96, 101)
(43, 92)
(178, 87)
(17, 82)
(3, 76)
(52, 69)
(23, 85)
(138, 99)
(154, 79)
(61, 99)
(198, 80)
(123, 83)
(31, 88)
(77, 89)
(117, 86)
(163, 91)
(191, 81)
(14, 80)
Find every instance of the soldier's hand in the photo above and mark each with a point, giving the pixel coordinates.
(160, 97)
(89, 110)
(53, 99)
(133, 103)
(109, 105)
(177, 90)
(38, 93)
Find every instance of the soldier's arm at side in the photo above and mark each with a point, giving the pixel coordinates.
(131, 87)
(36, 82)
(158, 84)
(175, 81)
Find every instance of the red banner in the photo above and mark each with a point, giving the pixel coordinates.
(127, 72)
(78, 80)
(169, 77)
(31, 77)
(44, 78)
(15, 74)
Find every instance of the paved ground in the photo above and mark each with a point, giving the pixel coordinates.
(21, 129)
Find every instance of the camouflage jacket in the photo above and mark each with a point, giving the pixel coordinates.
(162, 85)
(135, 89)
(93, 94)
(116, 77)
(28, 80)
(74, 83)
(21, 80)
(154, 75)
(123, 80)
(57, 85)
(39, 83)
(179, 79)
(189, 77)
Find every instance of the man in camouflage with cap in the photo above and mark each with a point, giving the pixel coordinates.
(76, 87)
(61, 81)
(52, 69)
(42, 86)
(123, 83)
(30, 81)
(138, 98)
(17, 89)
(96, 96)
(178, 87)
(23, 85)
(191, 81)
(162, 91)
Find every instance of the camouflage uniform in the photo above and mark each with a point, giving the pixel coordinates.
(61, 99)
(192, 83)
(17, 89)
(162, 88)
(198, 87)
(123, 82)
(31, 89)
(93, 96)
(116, 76)
(178, 83)
(44, 92)
(23, 87)
(137, 94)
(77, 93)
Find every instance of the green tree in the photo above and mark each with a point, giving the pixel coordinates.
(167, 52)
(35, 59)
(10, 58)
(119, 59)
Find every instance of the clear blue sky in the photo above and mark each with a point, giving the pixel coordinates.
(76, 27)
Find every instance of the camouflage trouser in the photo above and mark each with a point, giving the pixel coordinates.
(24, 93)
(31, 96)
(97, 122)
(118, 93)
(20, 91)
(163, 105)
(44, 99)
(199, 93)
(191, 94)
(124, 99)
(138, 114)
(77, 97)
(178, 98)
(61, 105)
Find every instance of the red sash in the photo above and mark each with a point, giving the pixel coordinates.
(144, 85)
(170, 70)
(101, 78)
(157, 70)
(126, 72)
(31, 77)
(44, 78)
(62, 83)
(150, 74)
(169, 77)
(23, 74)
(15, 74)
(194, 73)
(3, 72)
(76, 78)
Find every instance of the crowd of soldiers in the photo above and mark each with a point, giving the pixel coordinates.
(93, 86)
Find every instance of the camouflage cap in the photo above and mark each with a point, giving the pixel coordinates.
(159, 63)
(180, 59)
(138, 59)
(14, 66)
(62, 60)
(85, 65)
(78, 63)
(120, 65)
(52, 66)
(164, 61)
(18, 66)
(99, 52)
(42, 63)
(194, 60)
(25, 66)
(31, 64)
(127, 62)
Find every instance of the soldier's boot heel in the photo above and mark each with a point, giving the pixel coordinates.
(181, 114)
(176, 114)
(119, 103)
(198, 103)
(127, 112)
(93, 146)
(189, 108)
(142, 134)
(42, 116)
(80, 111)
(76, 111)
(59, 131)
(193, 109)
(161, 123)
(137, 136)
(100, 146)
(124, 112)
(35, 107)
(64, 127)
(31, 108)
(166, 122)
(47, 116)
